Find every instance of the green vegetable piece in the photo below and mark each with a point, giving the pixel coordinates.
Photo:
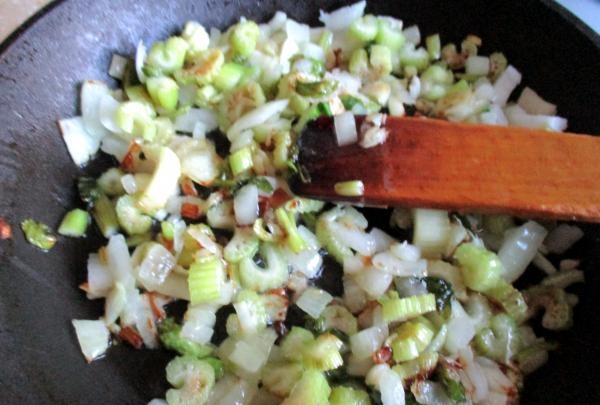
(480, 268)
(135, 119)
(170, 336)
(207, 96)
(244, 244)
(295, 342)
(510, 298)
(38, 234)
(193, 380)
(312, 389)
(205, 280)
(288, 222)
(410, 339)
(130, 217)
(280, 378)
(435, 81)
(352, 188)
(315, 111)
(110, 182)
(421, 367)
(281, 153)
(409, 56)
(105, 216)
(88, 190)
(229, 76)
(75, 223)
(400, 309)
(337, 317)
(238, 101)
(323, 353)
(501, 340)
(498, 224)
(326, 40)
(381, 59)
(389, 35)
(164, 92)
(442, 290)
(274, 275)
(450, 379)
(434, 46)
(364, 29)
(167, 229)
(241, 160)
(217, 366)
(166, 57)
(343, 395)
(243, 38)
(558, 313)
(359, 62)
(203, 69)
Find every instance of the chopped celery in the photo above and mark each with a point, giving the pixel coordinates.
(510, 298)
(410, 339)
(558, 313)
(105, 216)
(263, 234)
(364, 29)
(244, 244)
(318, 89)
(164, 92)
(481, 269)
(304, 205)
(359, 62)
(352, 188)
(280, 378)
(400, 309)
(166, 57)
(251, 312)
(345, 395)
(135, 119)
(193, 380)
(129, 216)
(206, 96)
(295, 342)
(311, 389)
(241, 160)
(38, 234)
(323, 353)
(409, 56)
(243, 38)
(258, 279)
(75, 223)
(421, 367)
(204, 68)
(288, 222)
(501, 340)
(229, 76)
(205, 280)
(434, 46)
(337, 317)
(110, 182)
(435, 81)
(237, 102)
(389, 36)
(170, 336)
(380, 58)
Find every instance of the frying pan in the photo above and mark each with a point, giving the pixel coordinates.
(41, 68)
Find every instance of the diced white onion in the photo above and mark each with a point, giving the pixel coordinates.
(383, 241)
(373, 281)
(107, 113)
(99, 277)
(354, 264)
(562, 238)
(296, 31)
(257, 116)
(198, 324)
(199, 131)
(342, 17)
(358, 367)
(187, 122)
(412, 34)
(92, 92)
(251, 353)
(430, 393)
(356, 239)
(119, 262)
(477, 65)
(140, 59)
(155, 267)
(389, 263)
(313, 301)
(313, 51)
(518, 117)
(93, 337)
(388, 382)
(472, 376)
(484, 89)
(347, 83)
(354, 296)
(129, 184)
(532, 103)
(460, 329)
(495, 116)
(205, 241)
(235, 391)
(117, 66)
(519, 247)
(405, 251)
(157, 401)
(505, 84)
(80, 144)
(245, 205)
(345, 128)
(307, 261)
(115, 302)
(115, 146)
(431, 231)
(365, 342)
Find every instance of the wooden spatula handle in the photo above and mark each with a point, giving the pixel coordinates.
(465, 167)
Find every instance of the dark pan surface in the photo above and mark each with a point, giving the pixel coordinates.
(41, 69)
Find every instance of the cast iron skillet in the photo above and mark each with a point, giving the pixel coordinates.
(41, 68)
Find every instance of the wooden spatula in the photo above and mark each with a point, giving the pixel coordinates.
(461, 167)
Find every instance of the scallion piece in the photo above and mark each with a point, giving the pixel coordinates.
(38, 234)
(243, 38)
(288, 222)
(241, 160)
(164, 92)
(75, 223)
(352, 188)
(229, 76)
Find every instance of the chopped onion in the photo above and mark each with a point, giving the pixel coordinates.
(354, 264)
(519, 247)
(347, 83)
(205, 241)
(373, 281)
(532, 103)
(342, 17)
(187, 122)
(231, 390)
(472, 376)
(129, 184)
(93, 337)
(354, 296)
(430, 393)
(383, 241)
(119, 262)
(484, 89)
(92, 93)
(460, 329)
(107, 113)
(518, 117)
(495, 116)
(405, 251)
(99, 277)
(115, 303)
(365, 342)
(296, 31)
(278, 21)
(115, 146)
(358, 367)
(198, 324)
(156, 266)
(140, 58)
(117, 66)
(356, 239)
(313, 51)
(388, 382)
(257, 116)
(412, 34)
(505, 84)
(251, 353)
(157, 401)
(477, 65)
(307, 261)
(389, 263)
(245, 205)
(80, 144)
(561, 238)
(313, 301)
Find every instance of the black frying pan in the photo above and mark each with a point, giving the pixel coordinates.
(41, 68)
